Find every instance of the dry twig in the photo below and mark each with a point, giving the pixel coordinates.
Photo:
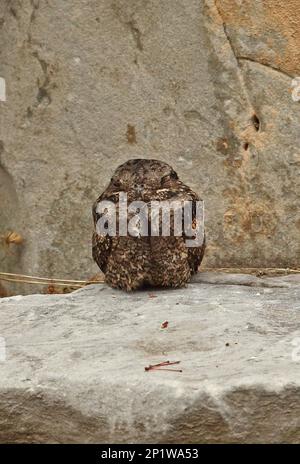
(163, 365)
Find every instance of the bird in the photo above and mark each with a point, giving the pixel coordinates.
(135, 261)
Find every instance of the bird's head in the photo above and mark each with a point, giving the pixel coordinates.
(140, 175)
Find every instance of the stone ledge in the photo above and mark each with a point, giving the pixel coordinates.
(74, 369)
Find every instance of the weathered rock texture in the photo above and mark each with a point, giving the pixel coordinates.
(203, 85)
(74, 369)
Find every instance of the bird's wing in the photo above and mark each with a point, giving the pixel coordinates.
(101, 249)
(195, 254)
(101, 244)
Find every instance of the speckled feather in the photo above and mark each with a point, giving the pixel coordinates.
(132, 262)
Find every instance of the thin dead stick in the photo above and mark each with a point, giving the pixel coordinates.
(252, 269)
(9, 274)
(23, 278)
(41, 283)
(163, 364)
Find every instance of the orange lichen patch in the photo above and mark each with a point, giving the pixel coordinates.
(13, 237)
(286, 18)
(273, 22)
(222, 145)
(131, 135)
(3, 291)
(233, 161)
(59, 290)
(233, 12)
(248, 218)
(50, 289)
(99, 277)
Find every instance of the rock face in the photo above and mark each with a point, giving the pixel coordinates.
(203, 85)
(73, 369)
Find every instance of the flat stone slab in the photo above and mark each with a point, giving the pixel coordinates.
(72, 366)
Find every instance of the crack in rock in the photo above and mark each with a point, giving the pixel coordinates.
(35, 6)
(273, 68)
(136, 33)
(245, 58)
(131, 23)
(239, 68)
(43, 88)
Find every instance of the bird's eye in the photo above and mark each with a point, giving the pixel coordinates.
(116, 183)
(173, 175)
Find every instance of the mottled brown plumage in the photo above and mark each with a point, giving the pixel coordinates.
(131, 262)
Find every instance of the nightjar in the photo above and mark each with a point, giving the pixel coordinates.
(131, 261)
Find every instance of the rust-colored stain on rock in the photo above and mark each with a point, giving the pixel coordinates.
(247, 218)
(131, 135)
(275, 23)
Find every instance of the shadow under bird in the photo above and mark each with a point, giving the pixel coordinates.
(132, 261)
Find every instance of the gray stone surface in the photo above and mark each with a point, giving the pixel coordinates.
(91, 84)
(74, 369)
